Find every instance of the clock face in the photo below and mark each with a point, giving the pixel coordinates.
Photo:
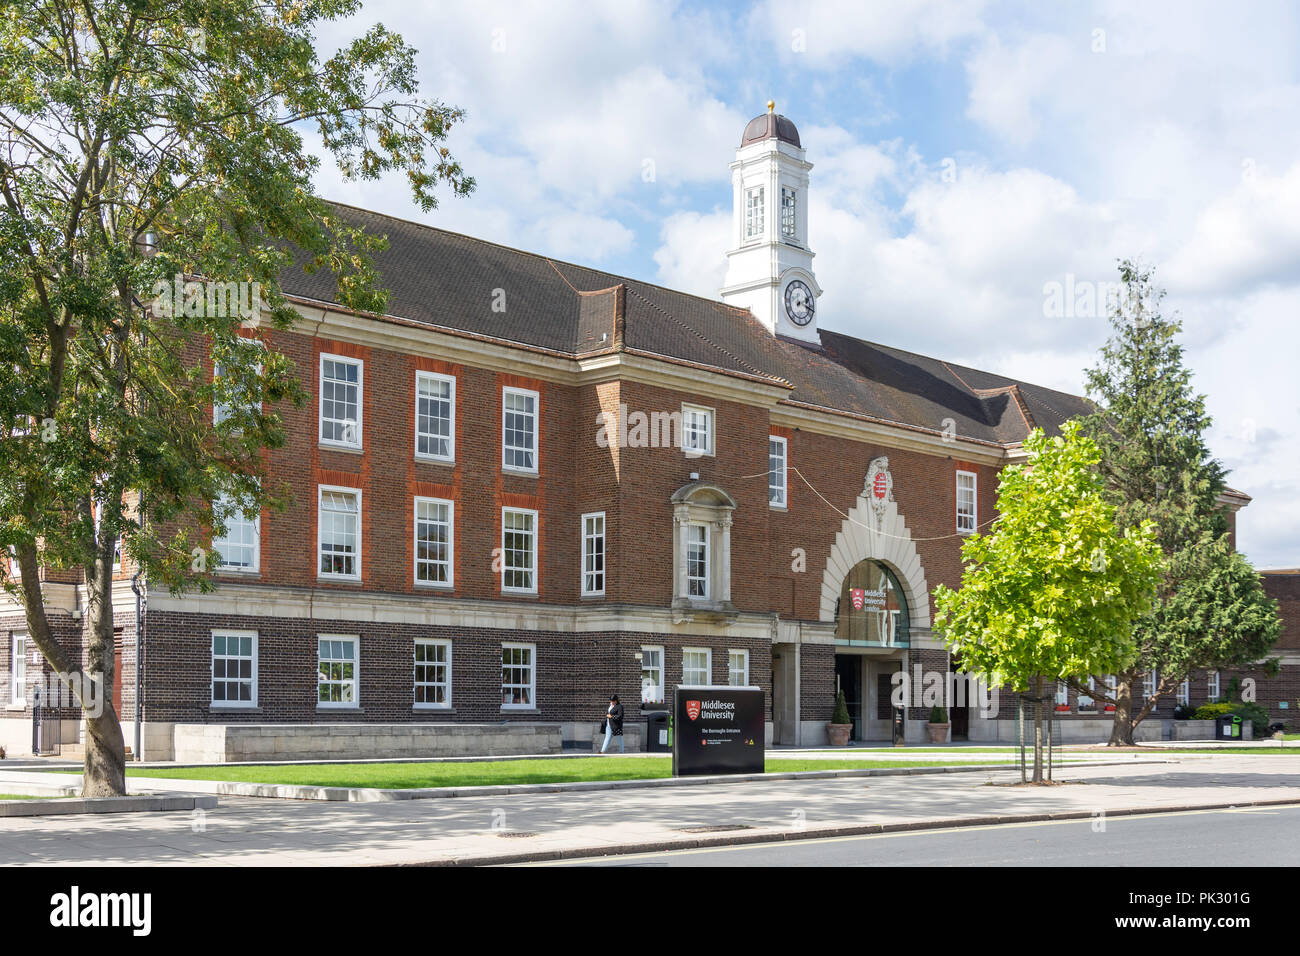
(799, 302)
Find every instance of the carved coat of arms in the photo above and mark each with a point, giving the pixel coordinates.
(879, 488)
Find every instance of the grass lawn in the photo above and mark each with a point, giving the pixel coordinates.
(405, 776)
(886, 749)
(19, 796)
(1261, 751)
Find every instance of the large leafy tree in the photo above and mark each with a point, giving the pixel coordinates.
(1052, 591)
(141, 142)
(1211, 610)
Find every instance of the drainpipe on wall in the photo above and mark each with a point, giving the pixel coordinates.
(139, 648)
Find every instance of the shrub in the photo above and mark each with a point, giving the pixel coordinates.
(841, 713)
(938, 715)
(1252, 711)
(1246, 710)
(1185, 712)
(1210, 711)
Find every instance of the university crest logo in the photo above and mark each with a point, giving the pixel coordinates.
(693, 709)
(879, 488)
(859, 597)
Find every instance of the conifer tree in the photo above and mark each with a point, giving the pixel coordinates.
(1211, 610)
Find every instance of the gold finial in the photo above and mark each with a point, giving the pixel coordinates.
(771, 105)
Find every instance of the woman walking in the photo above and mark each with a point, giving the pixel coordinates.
(613, 724)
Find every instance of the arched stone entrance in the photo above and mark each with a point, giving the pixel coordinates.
(875, 530)
(875, 595)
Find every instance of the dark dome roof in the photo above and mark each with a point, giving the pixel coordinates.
(770, 126)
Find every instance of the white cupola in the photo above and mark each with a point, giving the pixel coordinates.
(769, 267)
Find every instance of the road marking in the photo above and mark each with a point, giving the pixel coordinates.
(902, 833)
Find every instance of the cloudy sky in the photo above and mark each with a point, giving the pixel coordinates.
(966, 156)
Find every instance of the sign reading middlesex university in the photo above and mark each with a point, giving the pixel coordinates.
(718, 730)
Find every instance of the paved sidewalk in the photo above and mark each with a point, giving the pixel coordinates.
(248, 831)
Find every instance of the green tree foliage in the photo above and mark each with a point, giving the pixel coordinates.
(1053, 590)
(143, 142)
(1210, 610)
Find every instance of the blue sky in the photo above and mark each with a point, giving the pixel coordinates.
(966, 156)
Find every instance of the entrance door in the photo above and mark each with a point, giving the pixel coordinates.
(848, 678)
(959, 713)
(783, 662)
(960, 717)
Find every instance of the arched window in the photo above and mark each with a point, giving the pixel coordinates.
(873, 608)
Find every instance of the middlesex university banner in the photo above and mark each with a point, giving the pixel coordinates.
(718, 730)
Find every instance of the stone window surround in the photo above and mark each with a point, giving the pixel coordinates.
(707, 504)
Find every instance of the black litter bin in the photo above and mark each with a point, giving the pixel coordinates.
(657, 737)
(1227, 727)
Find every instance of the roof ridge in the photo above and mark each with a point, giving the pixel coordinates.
(704, 338)
(619, 279)
(949, 366)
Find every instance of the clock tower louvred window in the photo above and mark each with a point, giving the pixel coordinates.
(754, 212)
(770, 267)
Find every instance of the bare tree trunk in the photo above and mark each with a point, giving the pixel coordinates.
(1038, 729)
(104, 771)
(1121, 729)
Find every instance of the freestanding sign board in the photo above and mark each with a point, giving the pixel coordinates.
(717, 730)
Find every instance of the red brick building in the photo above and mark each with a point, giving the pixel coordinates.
(533, 484)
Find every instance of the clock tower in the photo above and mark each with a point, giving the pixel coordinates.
(769, 267)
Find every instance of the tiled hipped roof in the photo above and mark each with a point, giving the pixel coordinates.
(450, 281)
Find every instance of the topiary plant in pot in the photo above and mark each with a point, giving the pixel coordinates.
(841, 725)
(938, 725)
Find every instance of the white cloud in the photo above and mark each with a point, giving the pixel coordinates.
(963, 264)
(690, 255)
(584, 237)
(853, 171)
(624, 133)
(1248, 376)
(1248, 237)
(1006, 84)
(581, 117)
(830, 32)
